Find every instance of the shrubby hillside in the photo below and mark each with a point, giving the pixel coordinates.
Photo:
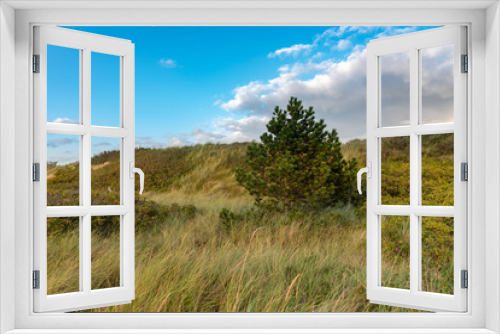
(202, 245)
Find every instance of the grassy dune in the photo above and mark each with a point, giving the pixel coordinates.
(202, 246)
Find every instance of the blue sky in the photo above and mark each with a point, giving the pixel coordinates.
(218, 84)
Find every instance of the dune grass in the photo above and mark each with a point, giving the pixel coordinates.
(202, 245)
(277, 263)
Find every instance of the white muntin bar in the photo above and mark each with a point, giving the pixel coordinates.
(415, 170)
(75, 129)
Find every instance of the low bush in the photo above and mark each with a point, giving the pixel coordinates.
(148, 214)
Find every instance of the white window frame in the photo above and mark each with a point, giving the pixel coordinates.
(482, 19)
(413, 43)
(86, 44)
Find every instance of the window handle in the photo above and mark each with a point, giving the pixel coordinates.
(368, 171)
(134, 170)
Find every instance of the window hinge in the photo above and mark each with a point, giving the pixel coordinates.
(464, 171)
(36, 279)
(465, 64)
(36, 63)
(465, 279)
(36, 172)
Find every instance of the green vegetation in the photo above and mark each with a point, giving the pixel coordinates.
(203, 246)
(437, 189)
(298, 164)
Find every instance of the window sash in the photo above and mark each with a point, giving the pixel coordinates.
(85, 298)
(414, 297)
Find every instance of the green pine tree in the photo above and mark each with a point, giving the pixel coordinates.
(298, 163)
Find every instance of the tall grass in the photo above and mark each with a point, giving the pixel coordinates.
(202, 246)
(277, 263)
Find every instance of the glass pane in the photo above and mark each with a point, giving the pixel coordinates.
(437, 254)
(63, 170)
(105, 171)
(395, 89)
(63, 85)
(63, 255)
(105, 252)
(395, 169)
(395, 251)
(437, 169)
(437, 84)
(105, 90)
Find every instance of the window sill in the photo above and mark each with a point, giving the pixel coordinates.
(249, 331)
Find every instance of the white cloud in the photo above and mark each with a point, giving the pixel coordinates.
(334, 34)
(317, 55)
(168, 63)
(242, 130)
(56, 142)
(224, 131)
(327, 91)
(337, 90)
(104, 146)
(66, 120)
(178, 141)
(337, 36)
(343, 44)
(201, 136)
(326, 35)
(392, 31)
(298, 69)
(103, 143)
(148, 142)
(61, 160)
(197, 136)
(292, 50)
(335, 87)
(437, 84)
(361, 30)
